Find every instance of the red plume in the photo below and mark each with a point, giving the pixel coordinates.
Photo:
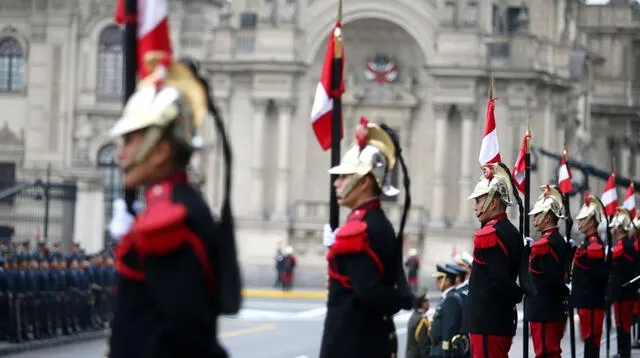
(586, 198)
(487, 171)
(546, 191)
(362, 133)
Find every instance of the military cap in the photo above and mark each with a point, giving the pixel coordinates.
(465, 259)
(443, 271)
(458, 270)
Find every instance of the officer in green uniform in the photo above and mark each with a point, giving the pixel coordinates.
(418, 338)
(447, 319)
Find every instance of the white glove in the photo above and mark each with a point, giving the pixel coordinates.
(527, 241)
(569, 287)
(328, 235)
(121, 220)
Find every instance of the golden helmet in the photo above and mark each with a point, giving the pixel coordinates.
(591, 208)
(549, 200)
(494, 180)
(622, 219)
(373, 152)
(636, 222)
(172, 99)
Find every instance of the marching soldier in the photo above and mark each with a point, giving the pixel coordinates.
(625, 268)
(418, 326)
(169, 258)
(413, 267)
(490, 308)
(590, 277)
(365, 258)
(546, 310)
(447, 320)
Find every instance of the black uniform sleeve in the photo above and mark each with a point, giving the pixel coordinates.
(367, 285)
(177, 283)
(499, 270)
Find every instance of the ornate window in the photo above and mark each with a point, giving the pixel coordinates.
(111, 176)
(11, 65)
(110, 57)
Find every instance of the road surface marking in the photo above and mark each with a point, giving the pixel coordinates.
(302, 357)
(315, 312)
(249, 330)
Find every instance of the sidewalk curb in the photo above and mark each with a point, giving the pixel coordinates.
(10, 348)
(274, 293)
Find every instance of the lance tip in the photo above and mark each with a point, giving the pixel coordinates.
(339, 17)
(491, 85)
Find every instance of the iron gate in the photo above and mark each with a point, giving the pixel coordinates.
(34, 210)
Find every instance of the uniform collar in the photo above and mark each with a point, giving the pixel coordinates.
(162, 189)
(550, 231)
(446, 292)
(496, 218)
(463, 284)
(359, 211)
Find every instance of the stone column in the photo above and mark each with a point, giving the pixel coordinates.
(282, 174)
(625, 159)
(441, 129)
(257, 165)
(465, 181)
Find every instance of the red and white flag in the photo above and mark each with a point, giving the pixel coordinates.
(153, 30)
(630, 200)
(489, 149)
(610, 196)
(519, 167)
(564, 175)
(322, 109)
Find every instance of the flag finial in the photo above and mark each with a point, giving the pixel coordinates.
(564, 151)
(491, 85)
(337, 33)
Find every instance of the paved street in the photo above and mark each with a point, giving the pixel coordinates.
(272, 328)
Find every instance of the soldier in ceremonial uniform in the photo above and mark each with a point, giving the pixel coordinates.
(418, 326)
(168, 293)
(490, 308)
(590, 277)
(635, 236)
(546, 311)
(447, 320)
(413, 267)
(365, 258)
(625, 265)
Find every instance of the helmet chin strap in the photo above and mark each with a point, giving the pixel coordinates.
(351, 184)
(151, 138)
(539, 219)
(485, 205)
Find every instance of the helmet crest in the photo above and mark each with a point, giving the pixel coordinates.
(362, 133)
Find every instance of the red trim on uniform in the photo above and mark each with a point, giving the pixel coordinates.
(485, 238)
(359, 212)
(487, 346)
(595, 250)
(546, 337)
(162, 190)
(591, 324)
(123, 248)
(623, 311)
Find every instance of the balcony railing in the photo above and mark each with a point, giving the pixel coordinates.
(527, 53)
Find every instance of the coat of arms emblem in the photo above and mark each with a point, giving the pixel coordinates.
(381, 70)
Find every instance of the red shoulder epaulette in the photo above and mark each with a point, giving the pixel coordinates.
(162, 230)
(543, 247)
(351, 238)
(595, 250)
(487, 237)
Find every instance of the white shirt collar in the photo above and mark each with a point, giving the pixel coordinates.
(444, 293)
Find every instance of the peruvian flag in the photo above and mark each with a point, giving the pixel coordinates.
(153, 29)
(564, 175)
(322, 109)
(489, 149)
(610, 196)
(519, 168)
(630, 200)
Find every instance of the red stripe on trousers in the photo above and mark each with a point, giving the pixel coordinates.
(623, 310)
(487, 346)
(591, 324)
(546, 338)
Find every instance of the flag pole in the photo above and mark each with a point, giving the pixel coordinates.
(566, 202)
(527, 191)
(336, 118)
(130, 63)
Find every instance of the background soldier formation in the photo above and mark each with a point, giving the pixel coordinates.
(477, 315)
(44, 294)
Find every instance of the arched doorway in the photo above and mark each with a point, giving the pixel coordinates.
(112, 179)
